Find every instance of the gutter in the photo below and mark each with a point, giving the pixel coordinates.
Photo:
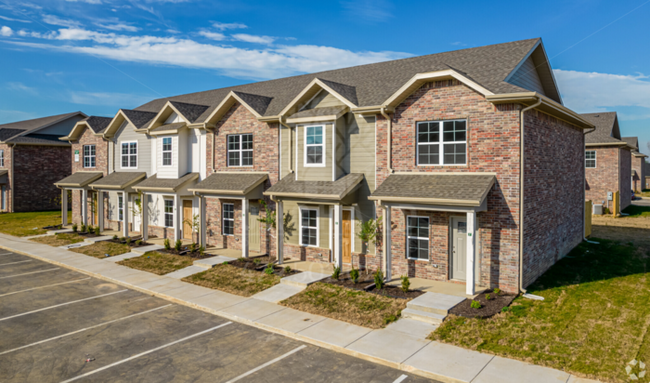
(388, 143)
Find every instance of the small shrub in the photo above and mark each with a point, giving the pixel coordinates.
(354, 275)
(97, 232)
(178, 245)
(166, 244)
(138, 242)
(505, 309)
(497, 291)
(287, 269)
(83, 228)
(201, 250)
(269, 269)
(115, 237)
(379, 280)
(74, 228)
(123, 239)
(193, 247)
(89, 229)
(241, 259)
(487, 297)
(257, 261)
(128, 240)
(405, 283)
(475, 304)
(336, 273)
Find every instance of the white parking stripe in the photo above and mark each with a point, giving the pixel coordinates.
(83, 329)
(145, 353)
(42, 287)
(266, 364)
(33, 272)
(62, 304)
(398, 380)
(13, 263)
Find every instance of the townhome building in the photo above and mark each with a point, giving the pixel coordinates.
(467, 163)
(638, 164)
(608, 161)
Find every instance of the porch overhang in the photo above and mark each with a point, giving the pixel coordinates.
(330, 113)
(337, 190)
(235, 185)
(118, 181)
(78, 180)
(165, 185)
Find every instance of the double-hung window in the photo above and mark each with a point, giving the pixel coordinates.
(129, 154)
(417, 233)
(2, 158)
(169, 213)
(240, 150)
(309, 227)
(89, 156)
(167, 151)
(314, 145)
(590, 159)
(228, 216)
(442, 142)
(120, 207)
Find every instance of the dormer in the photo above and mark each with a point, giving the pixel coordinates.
(131, 150)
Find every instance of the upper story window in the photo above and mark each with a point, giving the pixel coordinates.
(590, 159)
(2, 158)
(129, 154)
(240, 150)
(314, 146)
(167, 151)
(89, 156)
(442, 142)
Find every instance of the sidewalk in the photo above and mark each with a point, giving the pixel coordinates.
(401, 345)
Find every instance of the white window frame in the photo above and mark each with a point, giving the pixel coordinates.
(120, 207)
(408, 237)
(224, 219)
(92, 157)
(165, 213)
(240, 150)
(441, 143)
(170, 151)
(129, 155)
(323, 144)
(310, 227)
(2, 158)
(595, 159)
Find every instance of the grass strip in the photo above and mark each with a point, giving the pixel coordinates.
(26, 224)
(100, 249)
(234, 280)
(59, 239)
(158, 263)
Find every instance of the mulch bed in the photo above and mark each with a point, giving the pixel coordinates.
(132, 244)
(395, 292)
(185, 251)
(488, 307)
(366, 282)
(249, 264)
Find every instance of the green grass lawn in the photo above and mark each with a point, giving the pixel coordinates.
(234, 280)
(594, 318)
(59, 239)
(100, 249)
(26, 224)
(158, 263)
(637, 211)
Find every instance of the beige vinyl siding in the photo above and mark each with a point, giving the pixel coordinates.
(342, 148)
(527, 77)
(292, 209)
(168, 171)
(314, 173)
(322, 100)
(362, 147)
(288, 147)
(126, 133)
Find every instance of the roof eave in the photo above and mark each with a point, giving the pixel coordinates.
(429, 201)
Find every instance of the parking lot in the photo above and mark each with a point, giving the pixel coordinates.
(57, 325)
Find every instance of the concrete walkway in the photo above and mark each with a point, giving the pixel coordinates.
(401, 345)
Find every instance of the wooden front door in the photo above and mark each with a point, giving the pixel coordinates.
(95, 211)
(347, 237)
(187, 219)
(254, 226)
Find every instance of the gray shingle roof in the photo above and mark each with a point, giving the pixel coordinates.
(230, 183)
(98, 124)
(170, 184)
(318, 112)
(469, 189)
(6, 133)
(289, 187)
(347, 91)
(258, 103)
(118, 180)
(139, 118)
(79, 179)
(38, 139)
(172, 126)
(372, 84)
(607, 130)
(190, 111)
(13, 129)
(632, 141)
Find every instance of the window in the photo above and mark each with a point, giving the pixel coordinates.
(314, 146)
(129, 154)
(167, 151)
(417, 233)
(309, 227)
(169, 213)
(448, 147)
(228, 219)
(2, 158)
(89, 156)
(240, 150)
(120, 208)
(590, 159)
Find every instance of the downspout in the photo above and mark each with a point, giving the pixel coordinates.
(214, 151)
(290, 146)
(388, 140)
(521, 193)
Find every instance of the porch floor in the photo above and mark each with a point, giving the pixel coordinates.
(456, 289)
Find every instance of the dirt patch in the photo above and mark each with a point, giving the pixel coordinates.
(59, 239)
(366, 282)
(234, 280)
(158, 263)
(101, 249)
(489, 307)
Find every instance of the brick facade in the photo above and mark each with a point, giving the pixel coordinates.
(625, 178)
(7, 165)
(613, 173)
(101, 165)
(638, 168)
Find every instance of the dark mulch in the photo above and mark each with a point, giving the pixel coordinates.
(185, 251)
(132, 244)
(53, 227)
(488, 307)
(366, 282)
(395, 292)
(87, 234)
(251, 264)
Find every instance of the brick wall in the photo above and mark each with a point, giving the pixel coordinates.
(638, 166)
(553, 192)
(101, 165)
(604, 177)
(7, 166)
(625, 177)
(36, 169)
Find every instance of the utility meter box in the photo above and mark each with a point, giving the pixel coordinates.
(610, 196)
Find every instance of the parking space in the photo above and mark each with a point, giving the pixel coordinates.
(51, 322)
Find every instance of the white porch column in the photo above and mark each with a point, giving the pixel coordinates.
(100, 210)
(471, 224)
(177, 218)
(388, 256)
(202, 225)
(125, 214)
(338, 235)
(84, 206)
(145, 216)
(244, 227)
(64, 207)
(279, 231)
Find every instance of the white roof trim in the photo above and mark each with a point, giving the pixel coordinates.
(168, 104)
(322, 85)
(225, 101)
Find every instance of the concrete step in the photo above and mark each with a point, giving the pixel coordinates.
(146, 249)
(186, 272)
(208, 263)
(303, 279)
(278, 293)
(98, 239)
(423, 316)
(435, 303)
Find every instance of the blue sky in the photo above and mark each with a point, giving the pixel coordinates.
(101, 55)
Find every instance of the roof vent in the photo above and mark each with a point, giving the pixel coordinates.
(598, 115)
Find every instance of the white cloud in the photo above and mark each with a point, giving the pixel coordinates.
(224, 26)
(20, 87)
(213, 35)
(369, 10)
(117, 26)
(6, 31)
(232, 61)
(85, 1)
(16, 20)
(55, 20)
(107, 98)
(253, 39)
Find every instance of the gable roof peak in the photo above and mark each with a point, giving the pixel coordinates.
(190, 111)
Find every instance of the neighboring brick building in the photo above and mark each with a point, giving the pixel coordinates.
(32, 158)
(607, 161)
(638, 164)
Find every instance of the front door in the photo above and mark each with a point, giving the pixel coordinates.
(94, 208)
(347, 237)
(254, 227)
(187, 219)
(458, 248)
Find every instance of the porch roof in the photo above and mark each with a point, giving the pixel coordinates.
(172, 128)
(236, 183)
(331, 190)
(79, 179)
(118, 180)
(318, 114)
(457, 189)
(170, 185)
